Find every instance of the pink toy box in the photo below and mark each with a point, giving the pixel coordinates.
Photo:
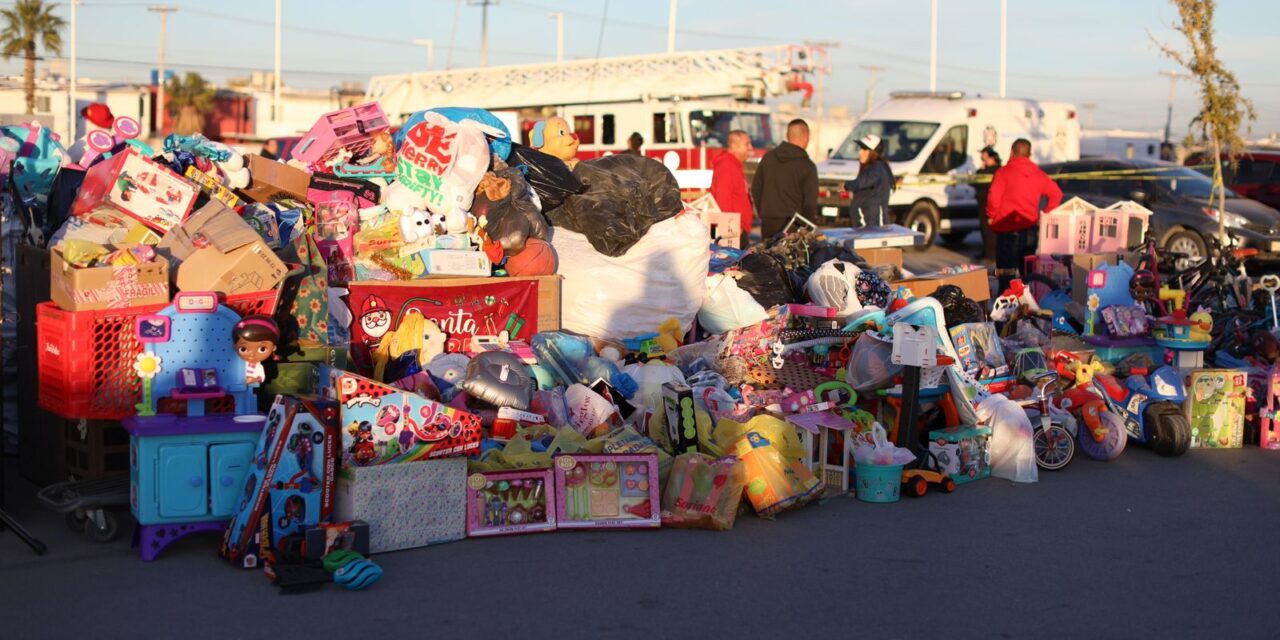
(139, 188)
(509, 502)
(382, 424)
(351, 129)
(607, 491)
(1079, 227)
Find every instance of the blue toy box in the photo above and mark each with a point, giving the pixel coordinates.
(296, 456)
(964, 453)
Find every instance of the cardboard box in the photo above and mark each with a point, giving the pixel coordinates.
(385, 425)
(878, 257)
(270, 180)
(213, 187)
(1215, 407)
(98, 288)
(975, 284)
(1083, 263)
(963, 453)
(414, 504)
(138, 187)
(252, 267)
(211, 225)
(457, 262)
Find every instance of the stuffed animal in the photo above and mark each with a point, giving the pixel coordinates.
(555, 137)
(416, 225)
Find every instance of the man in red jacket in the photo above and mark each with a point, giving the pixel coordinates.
(729, 183)
(1013, 209)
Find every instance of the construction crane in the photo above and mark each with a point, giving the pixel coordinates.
(746, 75)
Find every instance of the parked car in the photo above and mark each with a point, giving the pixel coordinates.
(1179, 199)
(281, 148)
(1256, 176)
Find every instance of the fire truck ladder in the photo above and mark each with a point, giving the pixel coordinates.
(742, 74)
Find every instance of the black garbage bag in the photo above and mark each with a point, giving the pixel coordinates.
(548, 176)
(824, 252)
(505, 202)
(767, 280)
(957, 308)
(626, 194)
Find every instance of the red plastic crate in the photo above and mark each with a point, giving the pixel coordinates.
(86, 357)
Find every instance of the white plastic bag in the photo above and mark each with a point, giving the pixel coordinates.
(880, 451)
(588, 409)
(727, 307)
(835, 284)
(1013, 455)
(662, 276)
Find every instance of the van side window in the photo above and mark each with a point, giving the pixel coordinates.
(666, 128)
(585, 127)
(606, 129)
(951, 151)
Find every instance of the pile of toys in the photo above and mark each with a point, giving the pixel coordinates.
(403, 337)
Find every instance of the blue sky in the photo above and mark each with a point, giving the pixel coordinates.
(1076, 50)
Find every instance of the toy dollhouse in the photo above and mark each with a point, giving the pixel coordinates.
(187, 473)
(1077, 227)
(351, 129)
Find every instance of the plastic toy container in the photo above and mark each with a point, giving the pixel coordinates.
(86, 358)
(878, 483)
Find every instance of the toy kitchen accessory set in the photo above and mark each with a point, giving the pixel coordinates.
(379, 344)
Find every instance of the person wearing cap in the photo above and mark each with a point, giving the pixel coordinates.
(991, 162)
(871, 189)
(1013, 209)
(786, 182)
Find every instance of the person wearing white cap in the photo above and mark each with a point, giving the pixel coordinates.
(871, 189)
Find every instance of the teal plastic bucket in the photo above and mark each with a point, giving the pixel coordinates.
(878, 482)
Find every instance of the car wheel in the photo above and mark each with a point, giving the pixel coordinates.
(923, 218)
(1186, 242)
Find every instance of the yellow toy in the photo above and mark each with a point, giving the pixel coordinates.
(555, 137)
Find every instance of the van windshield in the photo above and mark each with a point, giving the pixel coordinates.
(711, 128)
(901, 141)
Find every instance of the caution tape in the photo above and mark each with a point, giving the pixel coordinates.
(1143, 174)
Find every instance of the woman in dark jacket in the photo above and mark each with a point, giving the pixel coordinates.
(872, 187)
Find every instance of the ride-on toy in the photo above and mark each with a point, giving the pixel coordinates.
(919, 475)
(1151, 407)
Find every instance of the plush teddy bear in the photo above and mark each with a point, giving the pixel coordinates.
(555, 137)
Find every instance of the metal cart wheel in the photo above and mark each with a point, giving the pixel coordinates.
(104, 526)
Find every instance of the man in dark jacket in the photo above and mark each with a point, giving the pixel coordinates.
(981, 187)
(786, 182)
(1013, 209)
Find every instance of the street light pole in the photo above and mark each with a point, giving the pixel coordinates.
(1004, 45)
(1088, 108)
(871, 83)
(1173, 77)
(72, 120)
(558, 16)
(164, 11)
(671, 27)
(484, 28)
(431, 51)
(276, 110)
(933, 47)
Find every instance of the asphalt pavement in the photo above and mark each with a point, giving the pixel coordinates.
(1139, 547)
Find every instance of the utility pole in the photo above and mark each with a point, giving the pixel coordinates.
(484, 28)
(558, 16)
(671, 27)
(933, 48)
(1088, 109)
(1173, 77)
(277, 112)
(164, 10)
(1004, 45)
(871, 83)
(431, 51)
(72, 116)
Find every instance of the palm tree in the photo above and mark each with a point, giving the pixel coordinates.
(190, 100)
(26, 22)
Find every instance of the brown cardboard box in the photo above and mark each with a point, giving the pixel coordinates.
(245, 269)
(211, 225)
(107, 287)
(270, 180)
(975, 284)
(1082, 264)
(878, 257)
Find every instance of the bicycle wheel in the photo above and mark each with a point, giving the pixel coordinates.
(1054, 447)
(1113, 441)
